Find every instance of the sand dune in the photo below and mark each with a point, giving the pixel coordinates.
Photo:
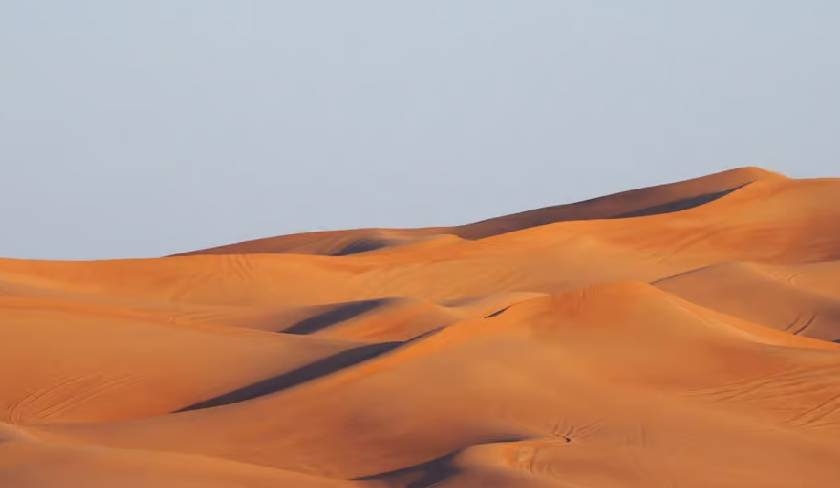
(23, 459)
(760, 294)
(646, 201)
(85, 366)
(679, 335)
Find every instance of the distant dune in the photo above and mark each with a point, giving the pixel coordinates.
(679, 335)
(646, 201)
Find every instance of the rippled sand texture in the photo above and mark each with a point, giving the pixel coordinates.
(674, 336)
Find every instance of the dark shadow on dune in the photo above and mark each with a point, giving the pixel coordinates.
(300, 375)
(361, 245)
(311, 371)
(418, 476)
(657, 281)
(341, 312)
(677, 205)
(429, 473)
(593, 209)
(497, 313)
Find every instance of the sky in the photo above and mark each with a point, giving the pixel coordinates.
(146, 127)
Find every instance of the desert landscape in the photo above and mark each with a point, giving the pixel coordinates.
(682, 335)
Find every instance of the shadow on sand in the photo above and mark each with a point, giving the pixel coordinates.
(308, 372)
(431, 472)
(340, 313)
(676, 205)
(305, 373)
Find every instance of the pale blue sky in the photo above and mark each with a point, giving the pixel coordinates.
(140, 128)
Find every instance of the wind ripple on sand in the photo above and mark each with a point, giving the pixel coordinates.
(678, 335)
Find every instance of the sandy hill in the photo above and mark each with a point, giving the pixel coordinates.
(645, 201)
(679, 335)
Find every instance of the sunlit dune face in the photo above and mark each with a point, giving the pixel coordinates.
(679, 335)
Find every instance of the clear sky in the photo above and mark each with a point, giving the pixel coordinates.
(140, 128)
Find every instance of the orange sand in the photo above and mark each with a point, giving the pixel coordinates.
(679, 335)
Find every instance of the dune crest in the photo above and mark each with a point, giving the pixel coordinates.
(646, 201)
(686, 334)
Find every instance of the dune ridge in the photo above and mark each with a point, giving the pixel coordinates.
(679, 335)
(646, 201)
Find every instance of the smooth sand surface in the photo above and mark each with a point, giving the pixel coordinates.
(679, 335)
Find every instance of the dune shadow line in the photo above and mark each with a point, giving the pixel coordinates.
(677, 205)
(421, 475)
(497, 312)
(429, 473)
(308, 372)
(305, 373)
(359, 246)
(342, 312)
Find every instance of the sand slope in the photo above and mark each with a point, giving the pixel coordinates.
(680, 335)
(645, 201)
(761, 294)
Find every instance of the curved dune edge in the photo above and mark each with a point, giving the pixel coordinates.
(538, 336)
(761, 294)
(74, 367)
(680, 334)
(646, 201)
(23, 459)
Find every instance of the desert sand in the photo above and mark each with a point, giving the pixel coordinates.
(683, 335)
